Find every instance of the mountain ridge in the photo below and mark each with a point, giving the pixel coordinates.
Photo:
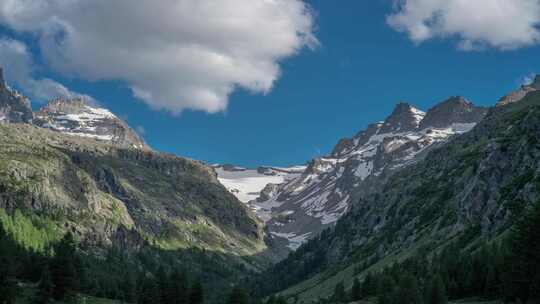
(303, 206)
(463, 191)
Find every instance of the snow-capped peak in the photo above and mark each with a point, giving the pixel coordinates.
(302, 206)
(78, 117)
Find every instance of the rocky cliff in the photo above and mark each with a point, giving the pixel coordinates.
(14, 107)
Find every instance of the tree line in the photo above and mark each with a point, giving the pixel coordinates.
(64, 272)
(507, 270)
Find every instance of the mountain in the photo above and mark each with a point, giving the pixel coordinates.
(305, 205)
(463, 192)
(520, 93)
(85, 167)
(77, 117)
(14, 107)
(105, 190)
(77, 168)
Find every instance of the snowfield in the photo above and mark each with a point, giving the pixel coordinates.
(246, 184)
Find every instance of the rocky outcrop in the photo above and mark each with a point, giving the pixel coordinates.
(78, 117)
(14, 107)
(520, 93)
(404, 118)
(455, 110)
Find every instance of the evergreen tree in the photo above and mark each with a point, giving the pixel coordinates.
(196, 295)
(408, 291)
(46, 286)
(63, 268)
(238, 296)
(8, 288)
(525, 259)
(165, 292)
(339, 295)
(148, 292)
(491, 284)
(179, 287)
(369, 285)
(356, 291)
(129, 288)
(386, 290)
(437, 292)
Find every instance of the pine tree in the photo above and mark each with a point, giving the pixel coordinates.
(491, 284)
(386, 290)
(179, 286)
(238, 296)
(165, 292)
(196, 295)
(339, 295)
(408, 291)
(369, 285)
(148, 292)
(46, 286)
(8, 288)
(129, 288)
(437, 293)
(525, 258)
(63, 267)
(356, 291)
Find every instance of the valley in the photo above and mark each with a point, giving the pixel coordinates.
(412, 196)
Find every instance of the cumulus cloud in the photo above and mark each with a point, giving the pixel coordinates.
(19, 67)
(173, 54)
(500, 24)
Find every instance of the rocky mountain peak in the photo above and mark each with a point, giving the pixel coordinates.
(404, 118)
(77, 116)
(520, 93)
(75, 105)
(454, 110)
(14, 107)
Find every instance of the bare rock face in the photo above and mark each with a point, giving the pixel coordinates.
(520, 93)
(452, 111)
(77, 117)
(14, 107)
(404, 118)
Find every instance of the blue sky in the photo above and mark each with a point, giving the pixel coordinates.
(361, 68)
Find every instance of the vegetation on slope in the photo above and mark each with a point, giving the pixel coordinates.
(134, 215)
(464, 191)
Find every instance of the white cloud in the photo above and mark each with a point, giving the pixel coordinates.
(18, 67)
(173, 54)
(527, 79)
(500, 24)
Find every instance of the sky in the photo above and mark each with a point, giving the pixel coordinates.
(265, 82)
